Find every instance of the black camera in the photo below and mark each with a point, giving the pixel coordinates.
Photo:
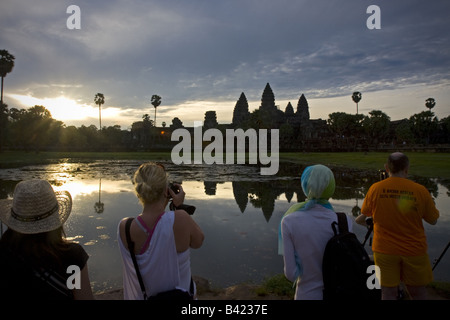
(383, 174)
(188, 208)
(174, 188)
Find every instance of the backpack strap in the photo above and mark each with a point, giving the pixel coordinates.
(342, 223)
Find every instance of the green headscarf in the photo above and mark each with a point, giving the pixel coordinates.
(318, 185)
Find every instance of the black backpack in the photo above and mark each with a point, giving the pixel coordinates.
(346, 265)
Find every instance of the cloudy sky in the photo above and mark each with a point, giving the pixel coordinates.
(199, 55)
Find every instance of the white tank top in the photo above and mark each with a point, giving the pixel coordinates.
(161, 267)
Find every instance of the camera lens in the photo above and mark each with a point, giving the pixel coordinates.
(174, 188)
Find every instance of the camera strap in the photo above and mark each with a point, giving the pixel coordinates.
(133, 256)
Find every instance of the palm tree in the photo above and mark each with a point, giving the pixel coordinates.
(156, 101)
(430, 103)
(6, 66)
(99, 206)
(99, 99)
(356, 96)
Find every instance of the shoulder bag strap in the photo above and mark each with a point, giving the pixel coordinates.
(131, 249)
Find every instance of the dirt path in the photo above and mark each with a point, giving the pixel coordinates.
(236, 292)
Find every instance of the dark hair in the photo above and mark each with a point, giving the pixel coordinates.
(397, 162)
(40, 249)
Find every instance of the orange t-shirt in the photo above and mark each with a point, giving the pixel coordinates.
(398, 206)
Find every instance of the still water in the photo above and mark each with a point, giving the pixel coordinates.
(238, 209)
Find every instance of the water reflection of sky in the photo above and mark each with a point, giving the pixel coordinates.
(240, 220)
(239, 246)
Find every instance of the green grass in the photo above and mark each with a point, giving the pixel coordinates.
(277, 285)
(423, 164)
(442, 288)
(18, 159)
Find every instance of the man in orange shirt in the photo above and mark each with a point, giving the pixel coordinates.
(398, 206)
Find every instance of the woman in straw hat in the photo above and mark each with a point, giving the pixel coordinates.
(35, 256)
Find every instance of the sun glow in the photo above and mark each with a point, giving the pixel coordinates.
(67, 110)
(86, 187)
(61, 108)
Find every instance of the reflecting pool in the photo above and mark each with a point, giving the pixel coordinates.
(238, 209)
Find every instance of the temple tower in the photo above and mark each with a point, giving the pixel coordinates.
(302, 118)
(240, 112)
(210, 120)
(268, 111)
(268, 100)
(303, 109)
(289, 114)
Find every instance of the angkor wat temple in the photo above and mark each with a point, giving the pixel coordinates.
(297, 131)
(294, 126)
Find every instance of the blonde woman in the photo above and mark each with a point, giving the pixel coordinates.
(162, 239)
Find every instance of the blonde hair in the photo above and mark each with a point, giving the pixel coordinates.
(150, 182)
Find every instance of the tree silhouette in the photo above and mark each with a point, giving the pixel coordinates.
(423, 125)
(34, 128)
(356, 97)
(376, 126)
(99, 206)
(6, 66)
(176, 123)
(430, 103)
(156, 101)
(99, 99)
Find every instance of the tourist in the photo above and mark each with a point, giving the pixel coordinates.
(305, 231)
(162, 239)
(37, 262)
(398, 206)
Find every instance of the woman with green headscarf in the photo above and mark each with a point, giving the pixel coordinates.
(305, 230)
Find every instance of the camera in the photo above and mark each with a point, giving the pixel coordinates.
(383, 174)
(174, 188)
(188, 208)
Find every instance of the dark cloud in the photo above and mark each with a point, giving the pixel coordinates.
(214, 50)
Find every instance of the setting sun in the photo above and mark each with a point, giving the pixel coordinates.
(61, 108)
(69, 110)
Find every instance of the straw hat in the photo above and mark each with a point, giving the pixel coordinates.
(35, 207)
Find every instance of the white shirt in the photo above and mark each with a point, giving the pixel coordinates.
(306, 234)
(161, 267)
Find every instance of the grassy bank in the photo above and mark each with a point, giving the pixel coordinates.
(18, 158)
(273, 288)
(422, 163)
(279, 286)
